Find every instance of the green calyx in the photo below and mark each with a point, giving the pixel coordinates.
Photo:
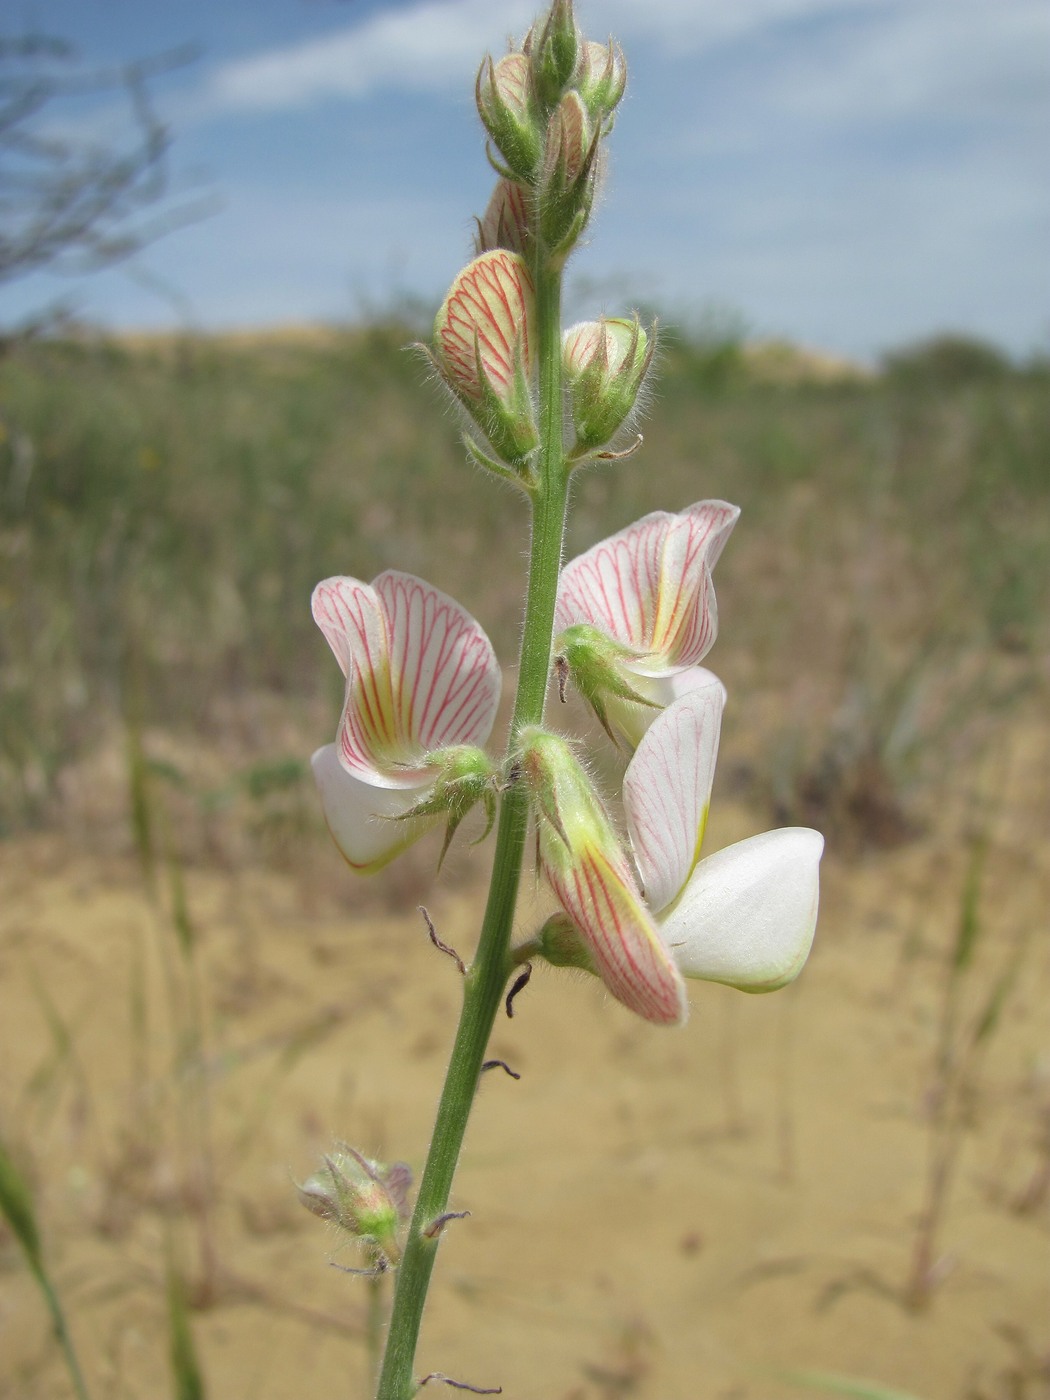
(601, 80)
(569, 176)
(508, 422)
(595, 665)
(560, 943)
(466, 777)
(570, 816)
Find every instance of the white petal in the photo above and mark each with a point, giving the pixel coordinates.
(631, 720)
(444, 673)
(748, 914)
(361, 816)
(667, 791)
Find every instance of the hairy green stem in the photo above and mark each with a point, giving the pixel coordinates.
(487, 977)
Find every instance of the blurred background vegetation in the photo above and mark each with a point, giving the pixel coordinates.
(167, 504)
(196, 991)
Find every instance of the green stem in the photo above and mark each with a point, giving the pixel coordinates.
(486, 979)
(58, 1321)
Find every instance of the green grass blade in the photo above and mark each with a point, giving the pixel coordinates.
(16, 1206)
(969, 928)
(855, 1387)
(185, 1367)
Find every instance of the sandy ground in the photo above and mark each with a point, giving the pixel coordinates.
(654, 1215)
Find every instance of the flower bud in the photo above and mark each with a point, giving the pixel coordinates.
(570, 815)
(507, 108)
(567, 180)
(506, 220)
(592, 878)
(485, 350)
(364, 1198)
(561, 944)
(605, 362)
(602, 78)
(553, 53)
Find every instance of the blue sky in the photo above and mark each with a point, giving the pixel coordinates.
(852, 174)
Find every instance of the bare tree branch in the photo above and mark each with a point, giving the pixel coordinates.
(69, 201)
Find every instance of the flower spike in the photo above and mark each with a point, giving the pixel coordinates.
(422, 687)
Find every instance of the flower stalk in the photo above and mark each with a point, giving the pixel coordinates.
(634, 615)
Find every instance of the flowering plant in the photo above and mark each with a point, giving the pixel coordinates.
(628, 624)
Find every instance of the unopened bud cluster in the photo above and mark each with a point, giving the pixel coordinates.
(546, 107)
(366, 1199)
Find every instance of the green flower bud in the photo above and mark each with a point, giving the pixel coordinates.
(485, 336)
(602, 78)
(364, 1198)
(605, 362)
(553, 52)
(567, 180)
(507, 108)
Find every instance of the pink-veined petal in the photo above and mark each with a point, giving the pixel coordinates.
(667, 791)
(506, 220)
(600, 897)
(444, 674)
(748, 914)
(649, 586)
(631, 720)
(420, 674)
(512, 79)
(489, 311)
(351, 616)
(361, 816)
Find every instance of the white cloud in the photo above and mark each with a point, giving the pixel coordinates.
(431, 46)
(949, 57)
(893, 58)
(436, 45)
